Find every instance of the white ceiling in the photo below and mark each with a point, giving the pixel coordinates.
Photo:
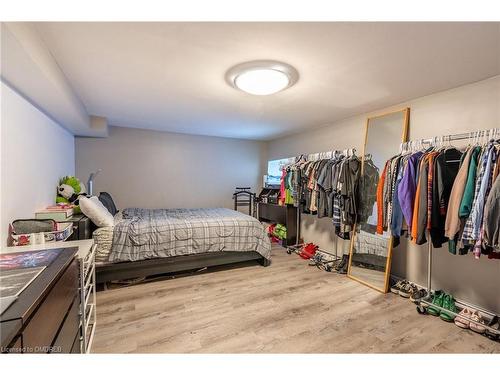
(170, 76)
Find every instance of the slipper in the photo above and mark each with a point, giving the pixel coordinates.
(460, 321)
(479, 319)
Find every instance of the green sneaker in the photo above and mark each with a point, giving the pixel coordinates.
(437, 300)
(448, 304)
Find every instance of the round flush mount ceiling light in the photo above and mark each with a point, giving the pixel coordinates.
(262, 77)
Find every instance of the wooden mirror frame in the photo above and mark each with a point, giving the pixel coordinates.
(404, 138)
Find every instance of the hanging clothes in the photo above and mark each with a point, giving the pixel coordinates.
(446, 167)
(380, 201)
(471, 235)
(327, 187)
(452, 221)
(281, 200)
(367, 190)
(492, 218)
(397, 212)
(324, 186)
(419, 219)
(349, 180)
(450, 195)
(408, 187)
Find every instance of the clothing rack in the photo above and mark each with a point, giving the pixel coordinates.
(314, 157)
(474, 137)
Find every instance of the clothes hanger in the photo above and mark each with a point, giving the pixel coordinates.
(491, 139)
(431, 145)
(440, 143)
(496, 135)
(447, 143)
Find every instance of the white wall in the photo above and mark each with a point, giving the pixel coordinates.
(30, 68)
(466, 108)
(35, 153)
(144, 168)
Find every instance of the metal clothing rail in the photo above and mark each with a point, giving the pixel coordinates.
(314, 157)
(474, 137)
(327, 154)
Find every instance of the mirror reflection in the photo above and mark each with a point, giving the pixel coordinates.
(371, 245)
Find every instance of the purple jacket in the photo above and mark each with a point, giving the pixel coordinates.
(407, 188)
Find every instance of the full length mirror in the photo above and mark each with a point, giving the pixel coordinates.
(371, 244)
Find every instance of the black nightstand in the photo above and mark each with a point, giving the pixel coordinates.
(82, 227)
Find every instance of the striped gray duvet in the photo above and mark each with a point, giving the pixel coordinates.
(151, 233)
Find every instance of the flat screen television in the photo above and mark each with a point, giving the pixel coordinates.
(274, 168)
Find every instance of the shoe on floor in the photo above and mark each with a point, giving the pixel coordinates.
(437, 300)
(345, 266)
(397, 287)
(407, 290)
(340, 264)
(418, 294)
(460, 321)
(344, 263)
(494, 324)
(476, 316)
(449, 310)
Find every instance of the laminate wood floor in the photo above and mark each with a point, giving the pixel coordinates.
(287, 307)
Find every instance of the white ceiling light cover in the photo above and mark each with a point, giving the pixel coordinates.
(262, 77)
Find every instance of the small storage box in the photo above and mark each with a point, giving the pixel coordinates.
(62, 232)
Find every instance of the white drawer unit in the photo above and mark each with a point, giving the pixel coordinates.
(88, 299)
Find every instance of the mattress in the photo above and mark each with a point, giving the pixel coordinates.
(140, 234)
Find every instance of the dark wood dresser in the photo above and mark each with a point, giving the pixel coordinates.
(286, 215)
(45, 317)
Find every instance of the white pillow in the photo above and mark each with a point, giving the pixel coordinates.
(95, 211)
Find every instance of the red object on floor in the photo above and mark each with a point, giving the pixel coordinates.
(270, 228)
(308, 251)
(270, 231)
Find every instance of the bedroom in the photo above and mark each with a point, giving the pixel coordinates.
(250, 187)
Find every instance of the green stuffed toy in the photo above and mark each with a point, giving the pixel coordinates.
(68, 191)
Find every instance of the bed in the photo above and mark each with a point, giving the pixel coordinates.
(144, 242)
